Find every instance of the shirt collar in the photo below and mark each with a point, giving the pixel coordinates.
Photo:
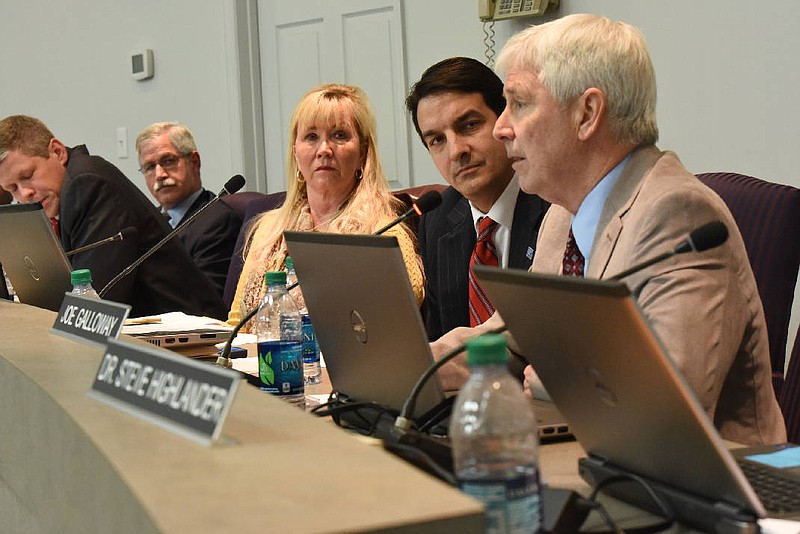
(178, 211)
(502, 211)
(584, 223)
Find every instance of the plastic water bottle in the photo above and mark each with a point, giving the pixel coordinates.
(278, 328)
(312, 371)
(494, 439)
(82, 283)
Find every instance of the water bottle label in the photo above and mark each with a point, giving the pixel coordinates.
(310, 347)
(511, 505)
(280, 366)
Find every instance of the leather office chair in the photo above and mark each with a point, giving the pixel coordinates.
(409, 195)
(768, 217)
(239, 202)
(790, 395)
(248, 204)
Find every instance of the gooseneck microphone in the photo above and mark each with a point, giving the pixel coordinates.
(231, 186)
(126, 233)
(706, 237)
(425, 203)
(403, 420)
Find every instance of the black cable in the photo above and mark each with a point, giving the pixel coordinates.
(664, 507)
(365, 418)
(407, 412)
(367, 423)
(418, 457)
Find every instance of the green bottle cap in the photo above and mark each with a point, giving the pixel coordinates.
(487, 349)
(289, 263)
(81, 276)
(275, 277)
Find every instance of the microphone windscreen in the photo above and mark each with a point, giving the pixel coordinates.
(233, 185)
(128, 232)
(427, 202)
(709, 236)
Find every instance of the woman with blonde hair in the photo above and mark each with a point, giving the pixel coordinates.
(335, 184)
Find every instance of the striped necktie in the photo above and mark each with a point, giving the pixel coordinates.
(480, 309)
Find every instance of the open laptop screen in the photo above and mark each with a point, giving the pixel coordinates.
(32, 256)
(611, 378)
(365, 316)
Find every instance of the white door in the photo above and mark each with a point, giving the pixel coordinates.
(304, 43)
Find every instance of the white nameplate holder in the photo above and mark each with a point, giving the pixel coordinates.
(90, 319)
(179, 394)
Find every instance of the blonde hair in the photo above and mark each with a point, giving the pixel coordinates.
(576, 52)
(369, 204)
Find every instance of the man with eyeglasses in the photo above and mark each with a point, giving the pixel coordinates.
(170, 163)
(89, 199)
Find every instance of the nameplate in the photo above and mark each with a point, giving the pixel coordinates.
(90, 319)
(182, 395)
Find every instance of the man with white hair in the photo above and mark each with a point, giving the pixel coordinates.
(580, 128)
(170, 163)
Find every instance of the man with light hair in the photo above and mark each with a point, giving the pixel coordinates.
(580, 128)
(170, 163)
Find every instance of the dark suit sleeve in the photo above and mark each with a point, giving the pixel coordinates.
(97, 201)
(430, 309)
(91, 211)
(210, 241)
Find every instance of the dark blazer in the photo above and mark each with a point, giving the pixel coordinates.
(446, 240)
(97, 201)
(211, 237)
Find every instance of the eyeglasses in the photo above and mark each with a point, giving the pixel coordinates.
(168, 163)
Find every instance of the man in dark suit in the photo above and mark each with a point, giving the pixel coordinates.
(89, 199)
(454, 106)
(170, 162)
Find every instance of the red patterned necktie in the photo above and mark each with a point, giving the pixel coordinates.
(573, 259)
(54, 222)
(485, 253)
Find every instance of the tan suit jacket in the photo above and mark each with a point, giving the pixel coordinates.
(704, 306)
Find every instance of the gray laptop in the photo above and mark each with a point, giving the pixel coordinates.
(179, 340)
(626, 402)
(32, 256)
(368, 322)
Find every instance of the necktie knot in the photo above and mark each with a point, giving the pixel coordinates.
(485, 228)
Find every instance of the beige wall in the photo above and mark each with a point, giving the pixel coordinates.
(727, 75)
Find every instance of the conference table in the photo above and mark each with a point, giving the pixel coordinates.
(70, 463)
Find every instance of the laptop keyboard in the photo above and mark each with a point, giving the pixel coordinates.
(779, 494)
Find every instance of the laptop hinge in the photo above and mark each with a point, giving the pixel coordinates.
(689, 508)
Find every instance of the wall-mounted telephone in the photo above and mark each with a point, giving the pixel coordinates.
(507, 9)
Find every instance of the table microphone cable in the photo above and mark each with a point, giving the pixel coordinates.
(404, 421)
